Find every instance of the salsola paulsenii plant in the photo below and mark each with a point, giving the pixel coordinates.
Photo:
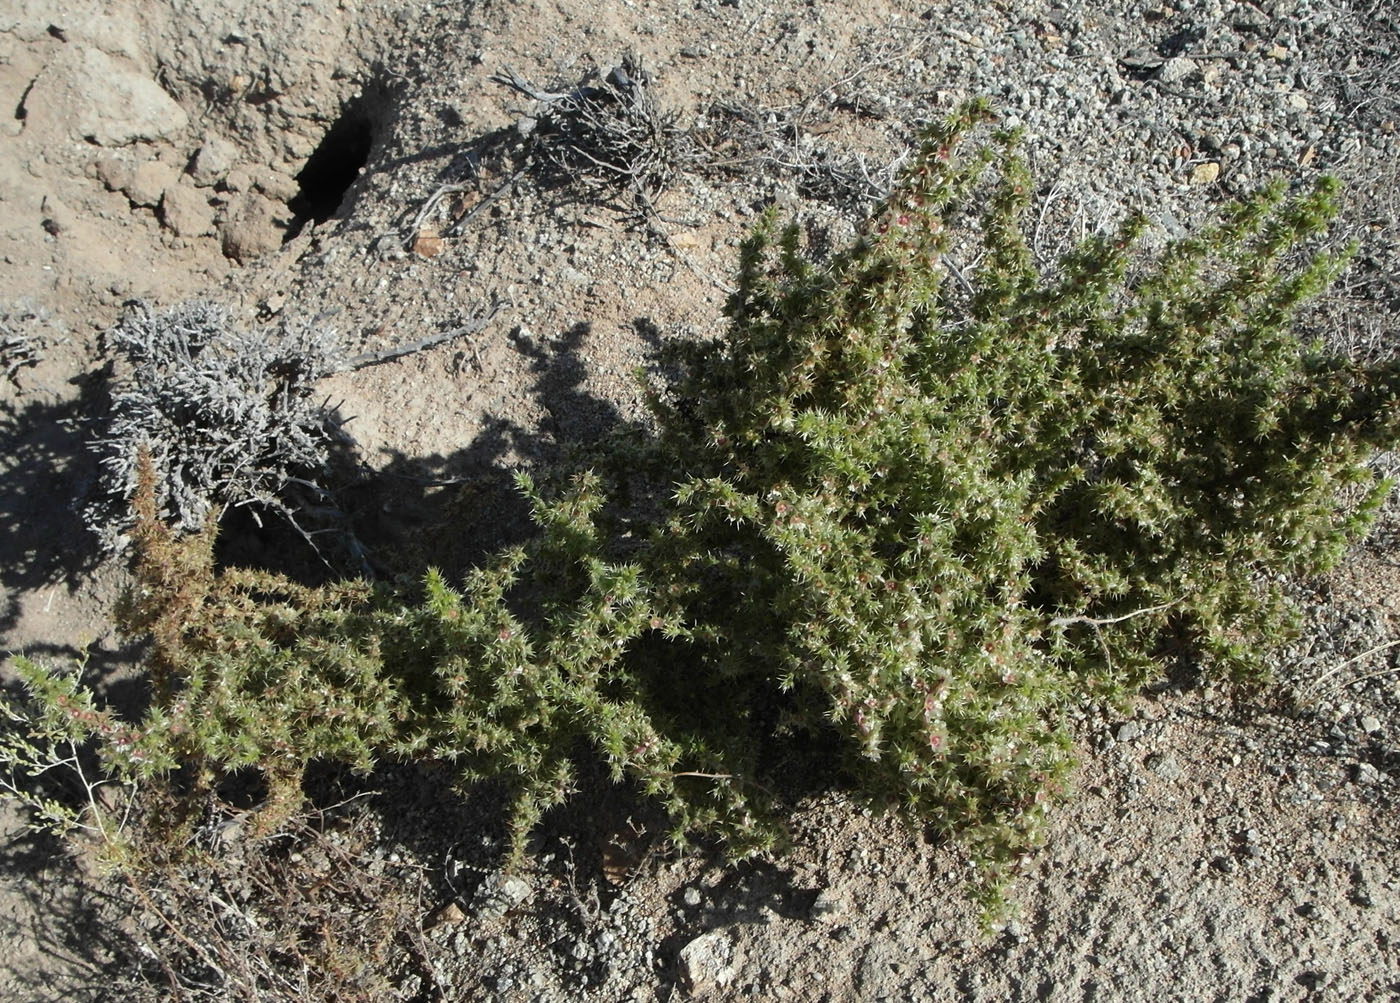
(937, 519)
(895, 528)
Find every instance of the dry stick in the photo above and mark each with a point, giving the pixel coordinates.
(155, 910)
(428, 206)
(509, 78)
(720, 776)
(952, 266)
(475, 210)
(1371, 675)
(1312, 687)
(1064, 621)
(1040, 222)
(399, 351)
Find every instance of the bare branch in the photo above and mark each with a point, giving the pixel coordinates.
(1065, 621)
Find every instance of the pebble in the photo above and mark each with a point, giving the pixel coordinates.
(237, 180)
(1204, 174)
(828, 907)
(277, 185)
(449, 915)
(1164, 766)
(1366, 774)
(499, 894)
(114, 172)
(708, 960)
(186, 212)
(1177, 69)
(252, 228)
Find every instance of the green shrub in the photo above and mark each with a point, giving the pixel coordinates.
(887, 530)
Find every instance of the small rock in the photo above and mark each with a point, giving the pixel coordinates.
(449, 915)
(186, 212)
(691, 897)
(427, 244)
(1366, 774)
(56, 217)
(276, 185)
(1223, 864)
(1177, 69)
(1296, 102)
(708, 960)
(1315, 913)
(499, 894)
(114, 173)
(252, 228)
(102, 99)
(148, 183)
(1204, 174)
(828, 907)
(1128, 731)
(238, 180)
(1370, 725)
(1165, 767)
(213, 161)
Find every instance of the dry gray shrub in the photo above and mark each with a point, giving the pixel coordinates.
(228, 415)
(744, 140)
(610, 133)
(19, 348)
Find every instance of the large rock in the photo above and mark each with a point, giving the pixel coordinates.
(92, 96)
(112, 27)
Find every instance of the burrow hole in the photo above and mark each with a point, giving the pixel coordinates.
(333, 167)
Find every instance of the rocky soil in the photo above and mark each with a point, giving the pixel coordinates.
(363, 166)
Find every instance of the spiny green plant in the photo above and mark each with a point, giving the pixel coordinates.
(894, 530)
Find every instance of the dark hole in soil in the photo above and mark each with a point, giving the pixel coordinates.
(332, 168)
